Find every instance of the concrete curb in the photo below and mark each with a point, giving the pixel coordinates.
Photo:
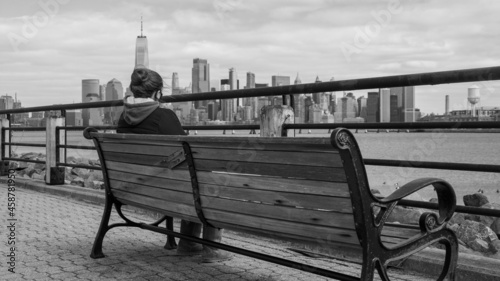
(70, 191)
(429, 261)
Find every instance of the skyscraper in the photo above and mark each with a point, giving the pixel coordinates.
(175, 80)
(298, 103)
(114, 91)
(280, 80)
(90, 90)
(395, 111)
(409, 104)
(250, 80)
(141, 51)
(347, 108)
(317, 96)
(234, 85)
(362, 107)
(385, 105)
(406, 102)
(372, 108)
(253, 102)
(200, 79)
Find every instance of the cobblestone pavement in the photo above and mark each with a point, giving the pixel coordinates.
(54, 235)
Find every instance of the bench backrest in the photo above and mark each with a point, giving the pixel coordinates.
(291, 187)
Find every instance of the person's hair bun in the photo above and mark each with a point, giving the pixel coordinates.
(145, 82)
(139, 76)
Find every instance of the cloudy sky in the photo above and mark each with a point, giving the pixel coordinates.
(48, 46)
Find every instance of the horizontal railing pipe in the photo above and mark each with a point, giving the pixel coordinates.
(79, 166)
(25, 144)
(434, 165)
(401, 125)
(459, 208)
(24, 160)
(81, 128)
(77, 147)
(222, 127)
(24, 129)
(420, 79)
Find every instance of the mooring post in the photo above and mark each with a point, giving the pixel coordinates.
(272, 118)
(4, 164)
(53, 174)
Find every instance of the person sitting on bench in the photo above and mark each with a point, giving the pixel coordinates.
(143, 114)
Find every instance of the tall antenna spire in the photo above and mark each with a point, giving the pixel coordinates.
(141, 25)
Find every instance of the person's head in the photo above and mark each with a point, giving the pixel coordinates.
(146, 83)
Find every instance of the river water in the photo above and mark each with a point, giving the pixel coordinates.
(476, 148)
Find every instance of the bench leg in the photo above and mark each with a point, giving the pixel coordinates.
(103, 228)
(171, 244)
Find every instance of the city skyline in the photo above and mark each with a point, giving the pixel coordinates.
(50, 58)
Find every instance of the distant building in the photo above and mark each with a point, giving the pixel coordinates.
(95, 114)
(316, 96)
(234, 84)
(298, 103)
(74, 118)
(347, 108)
(228, 111)
(362, 107)
(114, 91)
(175, 83)
(200, 79)
(395, 110)
(277, 80)
(141, 51)
(6, 102)
(250, 80)
(406, 103)
(90, 89)
(372, 108)
(385, 105)
(254, 101)
(482, 113)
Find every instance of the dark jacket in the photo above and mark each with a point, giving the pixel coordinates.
(148, 118)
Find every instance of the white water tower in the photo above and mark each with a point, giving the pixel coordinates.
(473, 97)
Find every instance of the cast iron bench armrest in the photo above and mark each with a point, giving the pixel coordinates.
(445, 193)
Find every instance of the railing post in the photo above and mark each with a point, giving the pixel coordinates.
(4, 165)
(53, 174)
(272, 118)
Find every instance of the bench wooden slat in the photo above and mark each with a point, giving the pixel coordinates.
(271, 184)
(308, 201)
(178, 174)
(175, 209)
(147, 160)
(158, 150)
(312, 232)
(277, 170)
(252, 143)
(264, 156)
(166, 183)
(279, 212)
(168, 195)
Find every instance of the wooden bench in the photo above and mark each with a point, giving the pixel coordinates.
(311, 190)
